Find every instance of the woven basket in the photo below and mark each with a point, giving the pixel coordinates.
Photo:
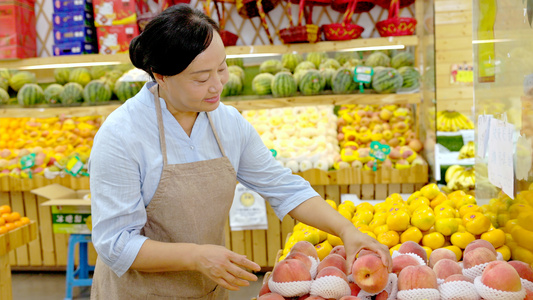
(314, 2)
(228, 38)
(394, 25)
(361, 7)
(308, 33)
(345, 30)
(249, 8)
(386, 3)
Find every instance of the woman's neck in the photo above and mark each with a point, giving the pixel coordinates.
(185, 118)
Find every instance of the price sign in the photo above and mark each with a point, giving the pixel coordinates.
(74, 166)
(362, 75)
(378, 151)
(26, 162)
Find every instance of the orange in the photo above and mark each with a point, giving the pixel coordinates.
(439, 199)
(411, 234)
(478, 225)
(468, 208)
(323, 249)
(446, 226)
(2, 221)
(369, 233)
(389, 239)
(363, 227)
(6, 216)
(365, 206)
(444, 211)
(417, 203)
(381, 229)
(347, 207)
(18, 224)
(377, 221)
(334, 240)
(505, 252)
(10, 226)
(496, 237)
(433, 240)
(456, 196)
(5, 209)
(332, 203)
(15, 216)
(524, 219)
(458, 252)
(3, 229)
(522, 254)
(428, 250)
(394, 248)
(423, 219)
(430, 191)
(345, 213)
(365, 216)
(398, 221)
(462, 239)
(25, 220)
(523, 237)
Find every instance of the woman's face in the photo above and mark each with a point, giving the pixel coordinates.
(199, 86)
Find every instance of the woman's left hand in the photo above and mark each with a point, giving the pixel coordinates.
(355, 241)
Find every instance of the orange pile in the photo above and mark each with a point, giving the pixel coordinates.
(10, 220)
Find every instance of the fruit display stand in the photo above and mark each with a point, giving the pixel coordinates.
(8, 243)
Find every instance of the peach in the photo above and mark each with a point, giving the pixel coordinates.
(459, 277)
(364, 252)
(339, 249)
(306, 248)
(524, 270)
(382, 296)
(447, 267)
(310, 297)
(479, 243)
(416, 145)
(271, 296)
(333, 260)
(501, 276)
(370, 274)
(289, 270)
(264, 289)
(385, 114)
(350, 298)
(417, 277)
(354, 288)
(412, 247)
(477, 256)
(529, 295)
(441, 253)
(332, 271)
(402, 261)
(302, 257)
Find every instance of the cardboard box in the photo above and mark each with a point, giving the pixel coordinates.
(69, 19)
(18, 36)
(70, 212)
(114, 12)
(115, 39)
(73, 5)
(74, 34)
(74, 48)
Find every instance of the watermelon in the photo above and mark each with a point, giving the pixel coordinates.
(111, 77)
(4, 83)
(377, 59)
(98, 72)
(30, 94)
(52, 92)
(262, 84)
(271, 66)
(4, 73)
(233, 87)
(283, 85)
(237, 71)
(387, 80)
(317, 58)
(127, 89)
(97, 91)
(344, 56)
(402, 59)
(61, 75)
(80, 75)
(291, 60)
(330, 63)
(311, 83)
(342, 81)
(72, 93)
(20, 79)
(352, 63)
(298, 75)
(4, 97)
(410, 76)
(235, 62)
(304, 65)
(327, 74)
(122, 68)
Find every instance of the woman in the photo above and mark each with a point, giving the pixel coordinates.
(164, 167)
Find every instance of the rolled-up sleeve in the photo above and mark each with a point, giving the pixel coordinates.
(118, 211)
(259, 171)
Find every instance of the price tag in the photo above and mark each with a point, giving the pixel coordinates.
(363, 74)
(274, 152)
(378, 151)
(74, 166)
(27, 161)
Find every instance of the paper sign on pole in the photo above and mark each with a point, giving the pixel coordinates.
(248, 211)
(500, 156)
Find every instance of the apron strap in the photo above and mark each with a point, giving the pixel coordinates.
(216, 135)
(155, 92)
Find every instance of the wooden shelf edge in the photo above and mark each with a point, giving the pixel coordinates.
(18, 237)
(123, 58)
(49, 112)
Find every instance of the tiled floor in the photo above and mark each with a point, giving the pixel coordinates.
(51, 286)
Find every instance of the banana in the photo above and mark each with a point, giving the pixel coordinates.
(450, 172)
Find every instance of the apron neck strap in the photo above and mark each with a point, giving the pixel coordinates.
(216, 135)
(155, 92)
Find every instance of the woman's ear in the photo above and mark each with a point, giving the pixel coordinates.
(160, 79)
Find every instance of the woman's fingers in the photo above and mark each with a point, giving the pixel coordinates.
(244, 262)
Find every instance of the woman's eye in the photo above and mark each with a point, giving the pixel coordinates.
(222, 70)
(202, 80)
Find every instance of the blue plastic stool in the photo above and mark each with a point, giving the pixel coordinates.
(82, 272)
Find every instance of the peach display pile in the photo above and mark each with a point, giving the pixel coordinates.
(52, 140)
(359, 125)
(303, 137)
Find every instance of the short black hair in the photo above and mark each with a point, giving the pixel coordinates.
(172, 40)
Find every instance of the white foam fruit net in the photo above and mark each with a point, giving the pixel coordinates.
(391, 289)
(416, 256)
(489, 293)
(290, 289)
(330, 287)
(475, 271)
(314, 266)
(527, 284)
(418, 294)
(458, 290)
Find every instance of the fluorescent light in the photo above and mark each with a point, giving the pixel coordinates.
(370, 48)
(252, 55)
(70, 65)
(491, 41)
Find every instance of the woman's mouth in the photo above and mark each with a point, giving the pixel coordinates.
(213, 100)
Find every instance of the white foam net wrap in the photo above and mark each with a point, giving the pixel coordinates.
(440, 281)
(458, 290)
(475, 271)
(499, 256)
(527, 284)
(314, 266)
(489, 293)
(330, 287)
(416, 256)
(290, 289)
(418, 294)
(391, 289)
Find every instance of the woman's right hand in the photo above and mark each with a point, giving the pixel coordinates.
(225, 267)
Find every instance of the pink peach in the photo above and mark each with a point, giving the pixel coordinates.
(524, 270)
(459, 277)
(289, 270)
(479, 243)
(447, 267)
(417, 277)
(306, 248)
(402, 261)
(412, 247)
(477, 256)
(302, 257)
(441, 253)
(331, 271)
(339, 250)
(501, 276)
(271, 296)
(333, 260)
(370, 274)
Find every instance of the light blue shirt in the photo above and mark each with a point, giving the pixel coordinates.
(126, 165)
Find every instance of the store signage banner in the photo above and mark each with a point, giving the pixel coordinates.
(248, 211)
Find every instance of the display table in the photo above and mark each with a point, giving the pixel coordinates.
(9, 241)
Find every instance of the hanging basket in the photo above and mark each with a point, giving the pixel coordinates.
(308, 33)
(361, 7)
(228, 38)
(345, 30)
(394, 25)
(249, 8)
(314, 2)
(386, 3)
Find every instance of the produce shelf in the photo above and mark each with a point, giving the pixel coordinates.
(233, 50)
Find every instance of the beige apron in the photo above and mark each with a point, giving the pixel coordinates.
(190, 205)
